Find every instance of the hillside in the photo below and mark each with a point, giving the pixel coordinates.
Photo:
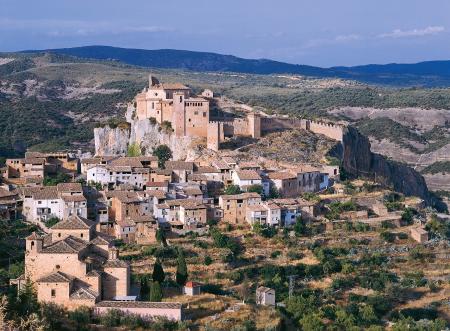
(53, 101)
(429, 74)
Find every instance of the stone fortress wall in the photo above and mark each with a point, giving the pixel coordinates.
(189, 118)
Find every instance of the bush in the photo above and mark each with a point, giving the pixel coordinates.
(387, 236)
(208, 260)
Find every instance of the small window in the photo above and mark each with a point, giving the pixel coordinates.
(181, 98)
(81, 235)
(58, 267)
(53, 293)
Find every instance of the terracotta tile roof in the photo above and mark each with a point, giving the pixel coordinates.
(128, 162)
(192, 205)
(157, 194)
(46, 193)
(193, 191)
(263, 289)
(69, 245)
(139, 304)
(179, 165)
(74, 222)
(34, 236)
(5, 193)
(197, 177)
(192, 284)
(102, 239)
(246, 195)
(116, 264)
(246, 165)
(83, 293)
(248, 175)
(207, 170)
(166, 172)
(220, 164)
(281, 175)
(69, 187)
(56, 277)
(33, 161)
(157, 184)
(73, 198)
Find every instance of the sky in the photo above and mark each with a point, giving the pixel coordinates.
(314, 32)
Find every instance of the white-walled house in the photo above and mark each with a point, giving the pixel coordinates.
(265, 296)
(61, 201)
(246, 178)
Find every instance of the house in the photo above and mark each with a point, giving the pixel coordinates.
(234, 207)
(56, 162)
(267, 213)
(10, 203)
(246, 178)
(265, 296)
(25, 168)
(180, 169)
(61, 201)
(419, 234)
(284, 182)
(192, 213)
(192, 288)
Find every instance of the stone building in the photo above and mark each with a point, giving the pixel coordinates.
(234, 207)
(61, 201)
(74, 266)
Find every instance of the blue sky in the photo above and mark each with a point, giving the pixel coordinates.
(315, 32)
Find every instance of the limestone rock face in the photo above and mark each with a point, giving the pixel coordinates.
(149, 136)
(358, 160)
(110, 141)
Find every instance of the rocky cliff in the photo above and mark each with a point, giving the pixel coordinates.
(115, 141)
(358, 160)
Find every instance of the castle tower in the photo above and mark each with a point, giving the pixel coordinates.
(254, 125)
(215, 135)
(179, 114)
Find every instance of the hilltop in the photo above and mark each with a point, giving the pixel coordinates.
(429, 73)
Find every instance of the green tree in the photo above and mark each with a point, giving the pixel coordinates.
(156, 294)
(158, 272)
(163, 153)
(182, 272)
(312, 322)
(27, 303)
(134, 150)
(232, 189)
(300, 228)
(256, 188)
(161, 237)
(81, 317)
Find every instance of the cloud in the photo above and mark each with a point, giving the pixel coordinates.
(398, 33)
(336, 40)
(60, 28)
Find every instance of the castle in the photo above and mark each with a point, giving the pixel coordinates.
(188, 115)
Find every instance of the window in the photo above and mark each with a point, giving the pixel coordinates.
(59, 235)
(153, 105)
(53, 293)
(58, 267)
(181, 98)
(81, 235)
(204, 114)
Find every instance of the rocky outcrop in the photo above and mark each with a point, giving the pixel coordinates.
(109, 141)
(149, 136)
(115, 141)
(358, 160)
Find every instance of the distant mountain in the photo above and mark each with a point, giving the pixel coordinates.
(428, 74)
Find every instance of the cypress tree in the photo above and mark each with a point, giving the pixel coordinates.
(182, 272)
(158, 272)
(156, 294)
